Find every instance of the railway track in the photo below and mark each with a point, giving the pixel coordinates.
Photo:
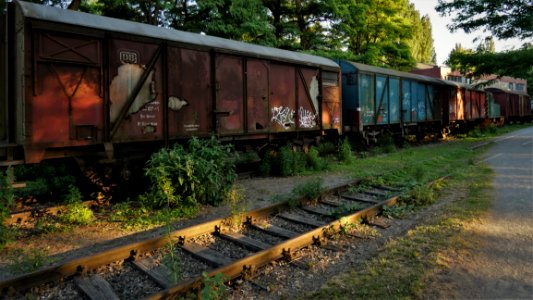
(179, 262)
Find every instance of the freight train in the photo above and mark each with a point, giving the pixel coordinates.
(74, 84)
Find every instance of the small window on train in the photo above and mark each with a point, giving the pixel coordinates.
(330, 78)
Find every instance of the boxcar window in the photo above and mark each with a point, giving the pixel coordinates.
(330, 78)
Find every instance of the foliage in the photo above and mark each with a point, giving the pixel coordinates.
(7, 200)
(377, 32)
(287, 162)
(347, 209)
(133, 215)
(345, 151)
(183, 178)
(77, 213)
(503, 18)
(314, 161)
(397, 211)
(326, 148)
(238, 205)
(401, 268)
(384, 33)
(173, 263)
(214, 287)
(310, 189)
(514, 63)
(44, 178)
(25, 261)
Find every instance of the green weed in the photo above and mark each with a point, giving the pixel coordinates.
(238, 206)
(214, 288)
(25, 261)
(345, 152)
(309, 190)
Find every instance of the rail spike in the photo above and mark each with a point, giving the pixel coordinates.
(287, 254)
(247, 272)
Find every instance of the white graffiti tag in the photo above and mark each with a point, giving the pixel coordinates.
(284, 116)
(307, 118)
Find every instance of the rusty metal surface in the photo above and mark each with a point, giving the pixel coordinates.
(229, 108)
(257, 112)
(3, 79)
(63, 16)
(142, 118)
(190, 98)
(67, 102)
(282, 98)
(307, 105)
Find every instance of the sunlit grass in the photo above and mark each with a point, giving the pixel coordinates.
(398, 272)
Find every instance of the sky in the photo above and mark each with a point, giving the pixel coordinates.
(444, 41)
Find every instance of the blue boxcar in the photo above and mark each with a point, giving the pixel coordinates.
(374, 96)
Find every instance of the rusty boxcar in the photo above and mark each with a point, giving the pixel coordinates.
(463, 105)
(84, 84)
(514, 106)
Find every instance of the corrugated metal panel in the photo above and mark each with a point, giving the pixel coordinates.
(257, 94)
(3, 81)
(230, 94)
(52, 14)
(382, 100)
(394, 100)
(366, 99)
(378, 70)
(127, 66)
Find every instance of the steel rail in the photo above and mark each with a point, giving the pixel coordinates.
(129, 252)
(245, 267)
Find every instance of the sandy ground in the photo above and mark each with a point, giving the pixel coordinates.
(499, 262)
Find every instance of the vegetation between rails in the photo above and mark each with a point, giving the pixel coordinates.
(398, 272)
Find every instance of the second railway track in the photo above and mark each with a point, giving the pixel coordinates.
(178, 262)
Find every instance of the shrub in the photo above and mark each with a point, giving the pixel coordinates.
(345, 151)
(315, 161)
(202, 173)
(44, 178)
(77, 213)
(310, 189)
(7, 200)
(326, 148)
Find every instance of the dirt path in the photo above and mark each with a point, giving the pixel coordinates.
(499, 264)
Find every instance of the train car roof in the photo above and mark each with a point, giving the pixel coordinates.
(500, 90)
(379, 70)
(53, 14)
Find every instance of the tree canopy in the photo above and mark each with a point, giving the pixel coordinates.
(388, 33)
(503, 18)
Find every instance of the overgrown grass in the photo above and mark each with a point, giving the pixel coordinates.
(399, 270)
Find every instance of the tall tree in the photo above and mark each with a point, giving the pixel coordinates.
(421, 42)
(504, 18)
(375, 31)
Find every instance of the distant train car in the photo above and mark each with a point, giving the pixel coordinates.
(462, 105)
(513, 106)
(376, 98)
(83, 84)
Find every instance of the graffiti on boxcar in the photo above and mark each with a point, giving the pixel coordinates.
(124, 83)
(307, 118)
(284, 116)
